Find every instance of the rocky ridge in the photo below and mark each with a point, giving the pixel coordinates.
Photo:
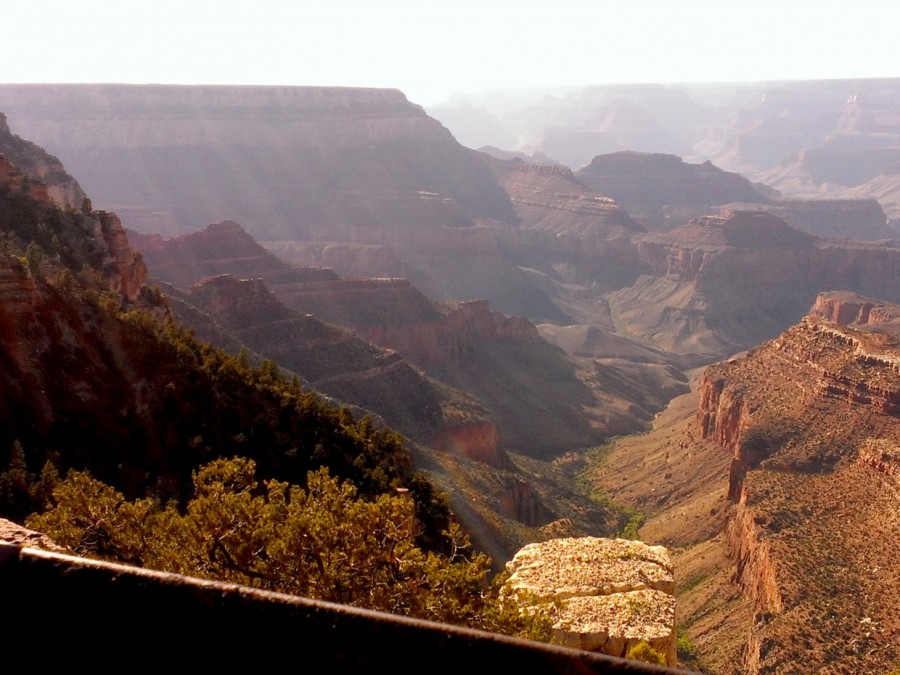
(34, 161)
(810, 421)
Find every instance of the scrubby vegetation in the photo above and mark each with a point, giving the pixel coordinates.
(642, 651)
(325, 541)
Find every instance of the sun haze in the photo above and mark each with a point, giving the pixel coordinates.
(432, 50)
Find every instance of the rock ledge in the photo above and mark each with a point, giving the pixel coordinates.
(613, 592)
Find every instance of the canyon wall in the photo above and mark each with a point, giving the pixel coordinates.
(280, 160)
(810, 420)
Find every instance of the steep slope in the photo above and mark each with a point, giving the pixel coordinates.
(97, 376)
(38, 164)
(566, 230)
(337, 363)
(785, 567)
(529, 387)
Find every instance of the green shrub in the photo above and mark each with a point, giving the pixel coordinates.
(642, 651)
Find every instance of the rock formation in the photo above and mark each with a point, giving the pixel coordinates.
(465, 345)
(98, 239)
(810, 421)
(664, 191)
(860, 219)
(722, 283)
(41, 166)
(336, 362)
(613, 593)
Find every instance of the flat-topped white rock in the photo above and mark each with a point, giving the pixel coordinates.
(614, 593)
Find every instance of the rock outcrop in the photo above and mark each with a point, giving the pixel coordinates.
(97, 238)
(664, 191)
(336, 362)
(41, 166)
(810, 420)
(859, 219)
(613, 593)
(21, 536)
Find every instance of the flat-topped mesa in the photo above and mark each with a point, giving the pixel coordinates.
(287, 162)
(448, 337)
(662, 190)
(249, 299)
(169, 115)
(613, 593)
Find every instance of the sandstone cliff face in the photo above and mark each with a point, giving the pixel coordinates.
(564, 225)
(860, 219)
(449, 337)
(465, 345)
(98, 236)
(613, 592)
(810, 420)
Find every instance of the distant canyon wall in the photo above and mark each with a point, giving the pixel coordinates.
(276, 159)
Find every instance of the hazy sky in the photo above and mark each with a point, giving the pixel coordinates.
(433, 49)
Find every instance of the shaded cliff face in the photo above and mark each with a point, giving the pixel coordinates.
(861, 219)
(721, 284)
(664, 191)
(335, 362)
(80, 240)
(40, 165)
(281, 160)
(811, 423)
(467, 346)
(565, 228)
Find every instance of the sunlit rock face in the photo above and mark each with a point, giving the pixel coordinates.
(613, 593)
(811, 424)
(12, 533)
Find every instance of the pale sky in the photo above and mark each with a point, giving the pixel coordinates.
(431, 50)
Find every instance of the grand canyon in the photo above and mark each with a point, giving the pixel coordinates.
(665, 313)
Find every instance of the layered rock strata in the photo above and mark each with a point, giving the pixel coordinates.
(812, 422)
(613, 593)
(722, 283)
